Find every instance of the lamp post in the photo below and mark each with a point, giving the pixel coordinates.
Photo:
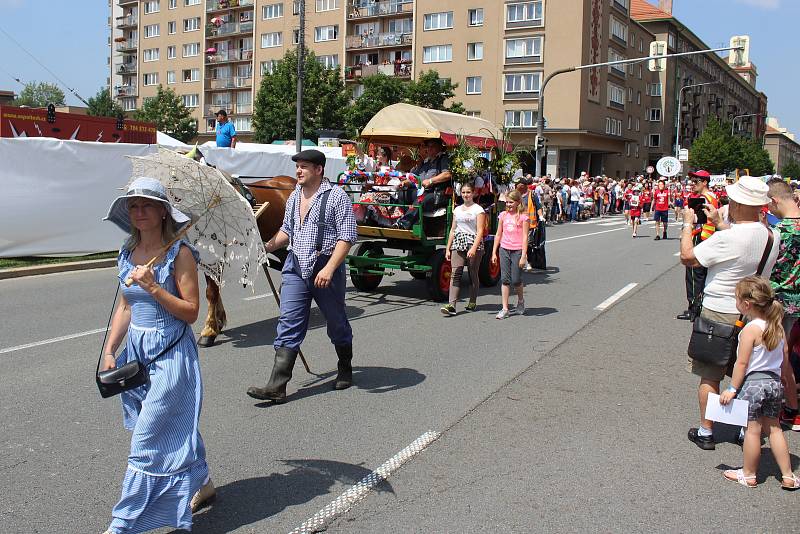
(301, 45)
(733, 122)
(678, 122)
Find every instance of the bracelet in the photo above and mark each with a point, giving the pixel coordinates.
(732, 389)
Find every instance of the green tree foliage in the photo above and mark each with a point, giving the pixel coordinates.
(791, 169)
(431, 91)
(166, 109)
(325, 100)
(102, 105)
(754, 158)
(379, 91)
(718, 152)
(39, 95)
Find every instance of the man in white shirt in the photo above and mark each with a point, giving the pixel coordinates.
(730, 254)
(574, 200)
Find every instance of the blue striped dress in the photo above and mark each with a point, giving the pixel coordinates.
(167, 462)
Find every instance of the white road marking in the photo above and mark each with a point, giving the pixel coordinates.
(614, 223)
(349, 498)
(256, 297)
(615, 297)
(677, 253)
(583, 235)
(53, 340)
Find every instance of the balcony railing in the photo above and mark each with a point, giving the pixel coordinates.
(378, 9)
(126, 68)
(230, 55)
(130, 20)
(229, 28)
(122, 91)
(231, 109)
(380, 40)
(236, 82)
(127, 45)
(218, 5)
(399, 70)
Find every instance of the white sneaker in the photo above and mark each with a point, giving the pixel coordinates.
(520, 309)
(502, 314)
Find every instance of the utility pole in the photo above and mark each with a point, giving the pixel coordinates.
(301, 45)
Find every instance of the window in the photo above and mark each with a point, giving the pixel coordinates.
(613, 55)
(173, 4)
(191, 49)
(520, 119)
(474, 51)
(358, 90)
(523, 83)
(241, 124)
(671, 40)
(191, 75)
(151, 30)
(329, 62)
(191, 2)
(630, 122)
(474, 85)
(438, 21)
(616, 96)
(476, 17)
(627, 149)
(170, 76)
(640, 73)
(636, 150)
(613, 126)
(191, 25)
(296, 7)
(326, 33)
(268, 66)
(529, 49)
(619, 30)
(150, 54)
(172, 27)
(637, 124)
(151, 7)
(630, 94)
(128, 104)
(472, 113)
(437, 54)
(396, 26)
(327, 5)
(654, 115)
(272, 11)
(191, 101)
(524, 13)
(295, 37)
(622, 4)
(271, 40)
(150, 78)
(654, 140)
(171, 52)
(638, 98)
(654, 89)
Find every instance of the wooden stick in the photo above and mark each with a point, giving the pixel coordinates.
(261, 210)
(149, 264)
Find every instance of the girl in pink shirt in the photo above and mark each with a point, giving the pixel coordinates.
(511, 241)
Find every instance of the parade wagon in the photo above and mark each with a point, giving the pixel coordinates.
(417, 246)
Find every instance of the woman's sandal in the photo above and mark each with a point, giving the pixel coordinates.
(795, 484)
(737, 475)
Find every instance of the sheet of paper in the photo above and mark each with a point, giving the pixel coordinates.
(735, 413)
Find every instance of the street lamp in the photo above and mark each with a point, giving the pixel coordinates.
(733, 122)
(678, 122)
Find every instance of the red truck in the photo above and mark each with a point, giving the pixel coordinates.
(43, 122)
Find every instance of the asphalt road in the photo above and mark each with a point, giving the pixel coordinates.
(548, 422)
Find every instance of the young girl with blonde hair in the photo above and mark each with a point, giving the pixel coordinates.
(511, 241)
(761, 357)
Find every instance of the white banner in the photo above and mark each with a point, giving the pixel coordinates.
(261, 161)
(56, 192)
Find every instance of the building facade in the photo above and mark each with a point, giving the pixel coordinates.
(781, 145)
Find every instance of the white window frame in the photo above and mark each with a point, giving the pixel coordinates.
(170, 77)
(152, 6)
(526, 119)
(152, 77)
(650, 138)
(172, 52)
(474, 85)
(621, 28)
(193, 98)
(654, 89)
(187, 3)
(528, 44)
(654, 114)
(272, 11)
(187, 48)
(151, 30)
(326, 33)
(268, 67)
(438, 21)
(172, 27)
(522, 83)
(616, 95)
(531, 11)
(444, 54)
(475, 17)
(330, 61)
(272, 40)
(191, 24)
(613, 55)
(194, 75)
(326, 5)
(475, 51)
(151, 54)
(173, 4)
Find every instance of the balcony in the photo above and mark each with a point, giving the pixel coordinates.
(127, 68)
(400, 70)
(222, 84)
(232, 109)
(121, 91)
(221, 5)
(378, 9)
(126, 2)
(127, 46)
(131, 21)
(229, 28)
(381, 40)
(229, 56)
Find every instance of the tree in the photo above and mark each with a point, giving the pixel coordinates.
(431, 91)
(102, 105)
(791, 169)
(39, 95)
(379, 91)
(754, 158)
(715, 150)
(325, 100)
(166, 109)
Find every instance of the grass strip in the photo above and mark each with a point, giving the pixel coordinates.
(29, 261)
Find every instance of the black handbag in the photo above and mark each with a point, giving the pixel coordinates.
(716, 343)
(131, 375)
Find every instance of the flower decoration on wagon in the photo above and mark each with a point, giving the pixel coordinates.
(464, 161)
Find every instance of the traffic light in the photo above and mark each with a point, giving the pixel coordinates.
(657, 49)
(541, 142)
(51, 113)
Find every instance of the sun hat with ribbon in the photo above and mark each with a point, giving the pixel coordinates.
(143, 187)
(749, 190)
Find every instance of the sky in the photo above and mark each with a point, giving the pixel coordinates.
(71, 38)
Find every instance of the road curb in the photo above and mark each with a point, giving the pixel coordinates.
(33, 270)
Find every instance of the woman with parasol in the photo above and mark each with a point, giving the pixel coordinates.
(167, 475)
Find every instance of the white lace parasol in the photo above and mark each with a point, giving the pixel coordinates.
(225, 231)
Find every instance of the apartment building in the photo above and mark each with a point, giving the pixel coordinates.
(781, 145)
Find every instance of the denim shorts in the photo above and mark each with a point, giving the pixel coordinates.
(661, 215)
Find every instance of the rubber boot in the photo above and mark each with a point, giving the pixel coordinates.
(275, 390)
(344, 378)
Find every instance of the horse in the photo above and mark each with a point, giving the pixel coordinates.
(276, 191)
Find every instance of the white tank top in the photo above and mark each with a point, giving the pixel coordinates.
(766, 361)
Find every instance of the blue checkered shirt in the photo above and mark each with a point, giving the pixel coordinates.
(340, 225)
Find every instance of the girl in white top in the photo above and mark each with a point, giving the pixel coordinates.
(761, 356)
(465, 247)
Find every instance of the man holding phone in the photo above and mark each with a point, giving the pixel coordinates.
(696, 275)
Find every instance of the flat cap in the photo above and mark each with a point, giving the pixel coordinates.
(312, 156)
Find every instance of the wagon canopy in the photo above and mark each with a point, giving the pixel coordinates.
(405, 124)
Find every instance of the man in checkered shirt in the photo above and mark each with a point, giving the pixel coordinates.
(312, 272)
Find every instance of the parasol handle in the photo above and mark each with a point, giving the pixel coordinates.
(149, 264)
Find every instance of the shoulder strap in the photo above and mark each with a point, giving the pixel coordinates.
(321, 221)
(108, 327)
(767, 250)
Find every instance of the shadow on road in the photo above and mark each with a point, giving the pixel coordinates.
(248, 501)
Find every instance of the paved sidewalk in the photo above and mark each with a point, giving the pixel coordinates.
(591, 438)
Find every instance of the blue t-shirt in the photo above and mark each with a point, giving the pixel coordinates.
(225, 132)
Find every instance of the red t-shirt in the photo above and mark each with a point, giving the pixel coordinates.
(646, 198)
(636, 202)
(662, 200)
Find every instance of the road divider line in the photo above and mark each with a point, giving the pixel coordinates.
(53, 340)
(615, 297)
(677, 253)
(583, 235)
(356, 493)
(256, 297)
